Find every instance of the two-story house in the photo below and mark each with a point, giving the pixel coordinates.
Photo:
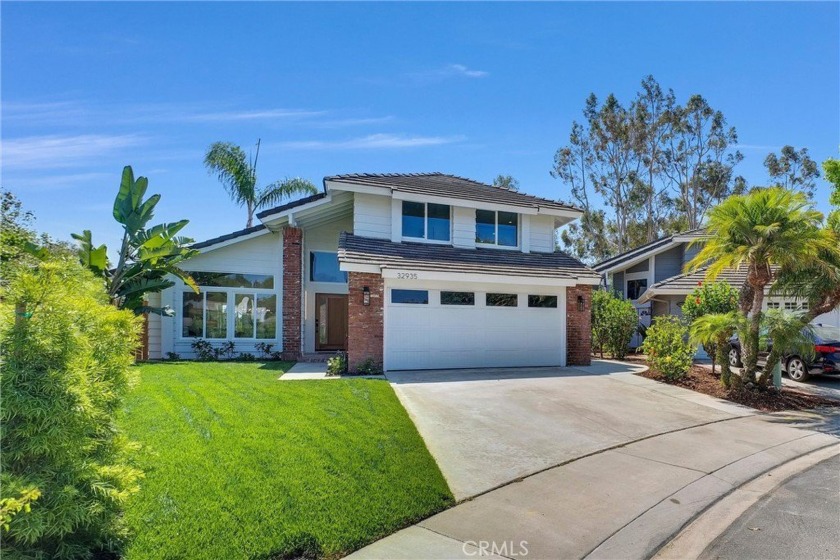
(652, 277)
(412, 271)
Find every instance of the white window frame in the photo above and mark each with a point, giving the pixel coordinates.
(496, 234)
(231, 294)
(425, 238)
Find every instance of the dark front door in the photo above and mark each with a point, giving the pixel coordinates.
(330, 322)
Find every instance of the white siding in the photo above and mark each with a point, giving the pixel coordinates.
(154, 328)
(322, 238)
(541, 234)
(371, 216)
(463, 227)
(260, 255)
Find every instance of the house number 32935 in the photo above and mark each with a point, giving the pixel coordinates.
(407, 275)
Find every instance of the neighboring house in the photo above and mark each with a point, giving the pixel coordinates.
(652, 277)
(411, 271)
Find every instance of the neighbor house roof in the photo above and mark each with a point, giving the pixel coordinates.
(444, 258)
(684, 284)
(449, 186)
(649, 248)
(227, 237)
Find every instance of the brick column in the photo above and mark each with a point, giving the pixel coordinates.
(365, 324)
(578, 326)
(292, 291)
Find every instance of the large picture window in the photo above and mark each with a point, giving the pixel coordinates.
(427, 221)
(497, 228)
(233, 280)
(324, 267)
(204, 315)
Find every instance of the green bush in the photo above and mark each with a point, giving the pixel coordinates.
(710, 297)
(337, 365)
(369, 367)
(614, 320)
(67, 358)
(666, 345)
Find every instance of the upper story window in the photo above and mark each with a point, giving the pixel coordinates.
(497, 228)
(324, 267)
(426, 220)
(635, 288)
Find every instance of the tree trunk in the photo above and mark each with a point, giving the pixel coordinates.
(757, 279)
(721, 354)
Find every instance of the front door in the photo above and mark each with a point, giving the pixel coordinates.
(330, 322)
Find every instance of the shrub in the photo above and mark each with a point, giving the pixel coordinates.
(204, 351)
(710, 297)
(667, 347)
(337, 365)
(264, 348)
(369, 367)
(173, 356)
(614, 320)
(247, 357)
(66, 368)
(226, 350)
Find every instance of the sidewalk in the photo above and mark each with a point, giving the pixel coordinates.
(625, 502)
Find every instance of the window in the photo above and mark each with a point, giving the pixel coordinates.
(233, 280)
(773, 305)
(457, 298)
(635, 288)
(502, 300)
(542, 301)
(192, 315)
(324, 267)
(410, 296)
(204, 315)
(428, 221)
(265, 314)
(497, 228)
(792, 306)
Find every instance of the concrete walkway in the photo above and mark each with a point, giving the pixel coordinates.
(626, 477)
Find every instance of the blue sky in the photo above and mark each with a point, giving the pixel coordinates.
(469, 89)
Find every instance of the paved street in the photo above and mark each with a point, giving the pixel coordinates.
(801, 519)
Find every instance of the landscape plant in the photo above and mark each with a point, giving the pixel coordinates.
(713, 330)
(337, 365)
(238, 174)
(762, 232)
(148, 256)
(787, 335)
(614, 320)
(667, 347)
(66, 366)
(710, 297)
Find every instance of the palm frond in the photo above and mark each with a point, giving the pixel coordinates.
(229, 164)
(285, 189)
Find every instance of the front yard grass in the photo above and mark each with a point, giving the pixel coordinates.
(240, 465)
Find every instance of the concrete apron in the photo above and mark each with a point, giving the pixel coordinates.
(625, 502)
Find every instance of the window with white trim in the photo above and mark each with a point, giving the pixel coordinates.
(498, 228)
(427, 221)
(231, 308)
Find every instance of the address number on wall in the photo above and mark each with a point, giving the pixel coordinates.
(407, 275)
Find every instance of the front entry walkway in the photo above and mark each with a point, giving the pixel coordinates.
(581, 462)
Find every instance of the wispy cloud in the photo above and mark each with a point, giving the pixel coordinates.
(40, 152)
(57, 182)
(450, 71)
(342, 123)
(373, 142)
(264, 114)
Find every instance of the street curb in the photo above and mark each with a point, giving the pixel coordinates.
(693, 539)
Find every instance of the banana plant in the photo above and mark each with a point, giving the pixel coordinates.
(148, 257)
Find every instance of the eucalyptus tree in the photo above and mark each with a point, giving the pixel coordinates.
(507, 182)
(793, 169)
(148, 257)
(238, 174)
(763, 232)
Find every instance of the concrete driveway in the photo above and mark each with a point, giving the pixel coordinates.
(489, 427)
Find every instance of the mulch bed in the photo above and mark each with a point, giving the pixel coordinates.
(703, 381)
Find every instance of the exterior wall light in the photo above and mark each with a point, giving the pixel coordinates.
(581, 303)
(366, 296)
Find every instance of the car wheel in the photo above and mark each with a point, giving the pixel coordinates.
(734, 357)
(797, 369)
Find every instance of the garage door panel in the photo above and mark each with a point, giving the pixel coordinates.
(435, 336)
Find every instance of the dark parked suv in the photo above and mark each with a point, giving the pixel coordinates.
(826, 360)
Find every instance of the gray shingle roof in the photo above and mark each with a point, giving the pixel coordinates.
(426, 256)
(652, 246)
(451, 186)
(227, 237)
(691, 280)
(290, 205)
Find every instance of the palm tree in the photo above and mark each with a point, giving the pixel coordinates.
(788, 335)
(238, 174)
(715, 329)
(761, 231)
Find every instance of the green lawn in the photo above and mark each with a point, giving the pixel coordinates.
(240, 465)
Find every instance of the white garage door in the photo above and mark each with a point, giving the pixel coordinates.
(443, 330)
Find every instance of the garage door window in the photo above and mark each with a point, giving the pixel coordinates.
(502, 300)
(457, 298)
(410, 296)
(542, 301)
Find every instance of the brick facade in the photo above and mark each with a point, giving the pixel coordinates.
(292, 291)
(365, 329)
(578, 326)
